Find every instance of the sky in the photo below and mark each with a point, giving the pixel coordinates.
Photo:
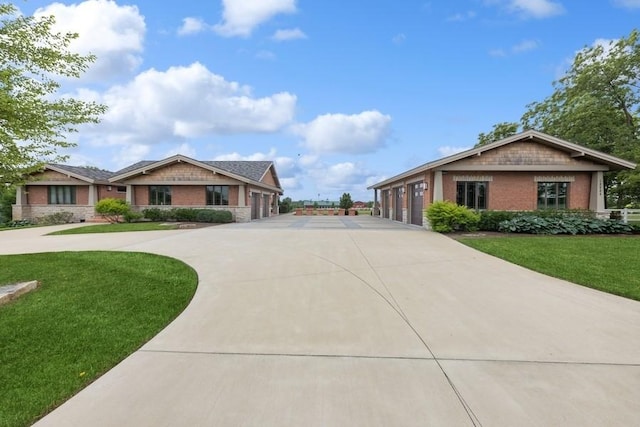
(339, 94)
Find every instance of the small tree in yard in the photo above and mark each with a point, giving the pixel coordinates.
(112, 209)
(345, 201)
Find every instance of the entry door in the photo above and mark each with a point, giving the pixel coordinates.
(255, 206)
(417, 202)
(265, 205)
(397, 204)
(385, 204)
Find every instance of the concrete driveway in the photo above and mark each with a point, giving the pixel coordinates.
(358, 321)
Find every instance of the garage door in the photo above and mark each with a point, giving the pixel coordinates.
(416, 192)
(397, 204)
(255, 206)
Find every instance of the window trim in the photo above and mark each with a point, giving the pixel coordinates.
(210, 195)
(477, 184)
(53, 194)
(557, 185)
(165, 190)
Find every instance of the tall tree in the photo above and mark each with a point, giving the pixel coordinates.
(597, 104)
(345, 201)
(35, 120)
(499, 131)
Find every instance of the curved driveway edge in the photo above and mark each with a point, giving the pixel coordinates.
(361, 321)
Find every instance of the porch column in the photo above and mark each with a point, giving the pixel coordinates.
(276, 209)
(130, 196)
(596, 198)
(438, 192)
(92, 195)
(376, 211)
(19, 195)
(241, 195)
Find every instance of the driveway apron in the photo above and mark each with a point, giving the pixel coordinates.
(360, 321)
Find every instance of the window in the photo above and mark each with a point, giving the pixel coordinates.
(121, 188)
(552, 195)
(159, 195)
(472, 194)
(62, 194)
(217, 195)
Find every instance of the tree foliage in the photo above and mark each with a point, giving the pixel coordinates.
(35, 119)
(596, 104)
(499, 131)
(345, 201)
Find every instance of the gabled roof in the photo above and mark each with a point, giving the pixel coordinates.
(614, 163)
(246, 171)
(84, 173)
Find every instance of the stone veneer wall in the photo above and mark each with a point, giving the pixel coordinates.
(80, 212)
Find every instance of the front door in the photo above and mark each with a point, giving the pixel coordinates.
(255, 206)
(416, 192)
(265, 205)
(397, 204)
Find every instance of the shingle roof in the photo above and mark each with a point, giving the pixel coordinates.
(254, 170)
(87, 172)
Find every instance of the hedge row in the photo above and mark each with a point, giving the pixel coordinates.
(447, 216)
(190, 215)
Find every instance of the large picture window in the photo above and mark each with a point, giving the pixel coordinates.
(62, 194)
(472, 194)
(159, 195)
(552, 195)
(218, 195)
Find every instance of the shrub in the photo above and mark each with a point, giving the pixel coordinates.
(533, 223)
(112, 209)
(132, 216)
(55, 218)
(155, 214)
(490, 220)
(446, 216)
(183, 214)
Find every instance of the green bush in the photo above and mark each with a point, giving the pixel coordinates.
(132, 216)
(490, 220)
(447, 216)
(7, 198)
(222, 217)
(112, 209)
(155, 214)
(183, 214)
(533, 223)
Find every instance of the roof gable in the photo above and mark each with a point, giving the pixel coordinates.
(84, 173)
(573, 151)
(244, 171)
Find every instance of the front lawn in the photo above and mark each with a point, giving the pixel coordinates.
(117, 227)
(610, 264)
(91, 311)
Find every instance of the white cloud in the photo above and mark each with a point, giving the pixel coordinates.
(241, 17)
(186, 102)
(253, 157)
(339, 133)
(130, 154)
(448, 150)
(525, 46)
(399, 38)
(290, 34)
(538, 9)
(462, 17)
(345, 177)
(192, 26)
(114, 33)
(185, 149)
(629, 4)
(266, 55)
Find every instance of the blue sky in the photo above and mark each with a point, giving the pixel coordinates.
(339, 94)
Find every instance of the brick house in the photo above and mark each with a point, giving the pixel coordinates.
(248, 189)
(527, 171)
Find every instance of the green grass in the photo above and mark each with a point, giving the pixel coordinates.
(91, 311)
(609, 264)
(117, 228)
